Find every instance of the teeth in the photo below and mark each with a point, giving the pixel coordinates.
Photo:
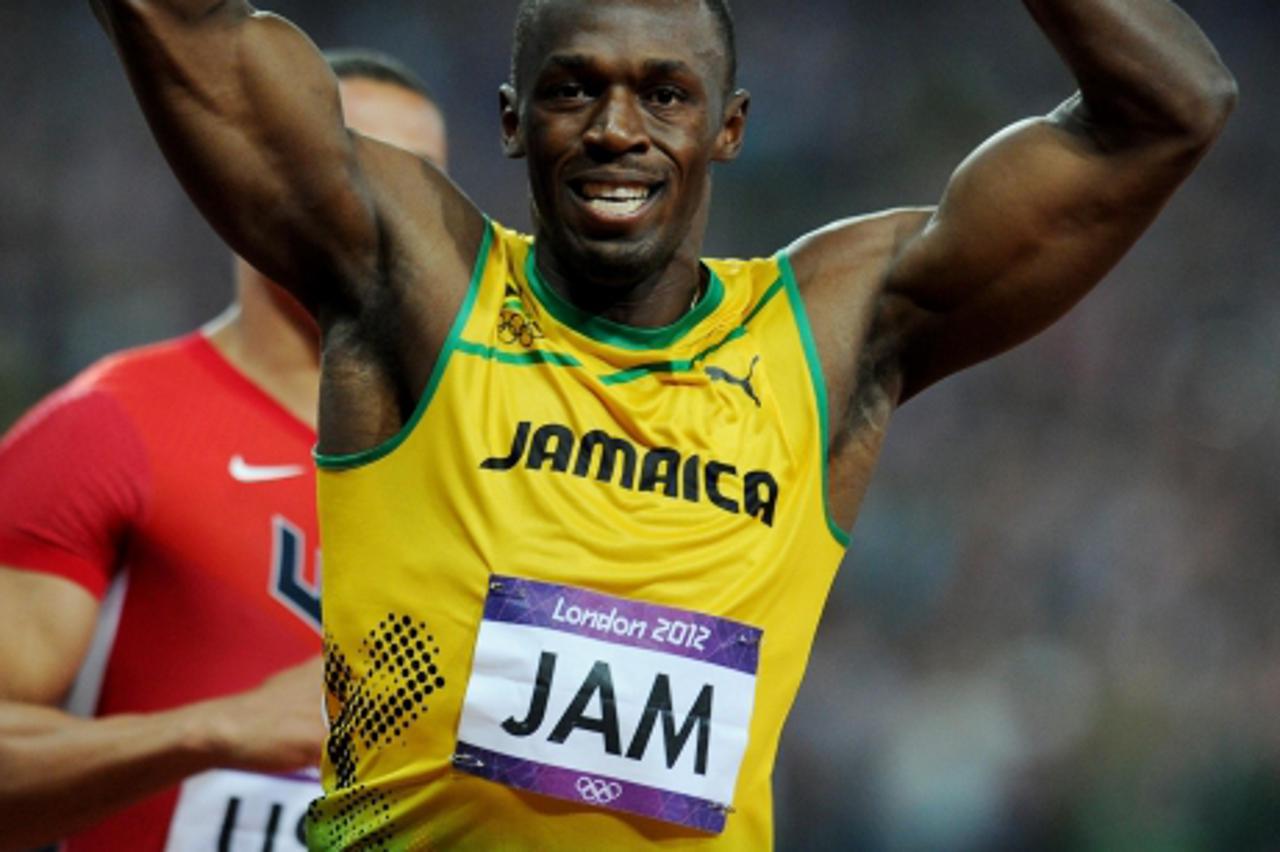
(615, 192)
(612, 207)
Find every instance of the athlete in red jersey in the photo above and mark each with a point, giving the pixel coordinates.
(158, 526)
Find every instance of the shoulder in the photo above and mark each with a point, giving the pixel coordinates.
(859, 249)
(102, 406)
(419, 208)
(75, 476)
(74, 472)
(105, 408)
(842, 273)
(106, 383)
(140, 368)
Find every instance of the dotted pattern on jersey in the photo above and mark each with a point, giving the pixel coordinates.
(362, 822)
(380, 708)
(377, 710)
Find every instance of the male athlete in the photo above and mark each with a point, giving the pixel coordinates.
(583, 493)
(179, 476)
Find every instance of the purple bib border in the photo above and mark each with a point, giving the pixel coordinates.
(598, 791)
(582, 612)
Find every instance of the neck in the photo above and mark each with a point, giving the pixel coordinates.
(649, 300)
(271, 339)
(653, 301)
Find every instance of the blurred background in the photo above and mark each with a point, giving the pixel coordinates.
(1058, 627)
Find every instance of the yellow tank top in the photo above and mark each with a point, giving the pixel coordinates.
(570, 604)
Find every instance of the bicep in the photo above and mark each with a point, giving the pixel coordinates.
(46, 624)
(247, 113)
(1028, 225)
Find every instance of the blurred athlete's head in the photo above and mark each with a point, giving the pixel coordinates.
(621, 107)
(383, 99)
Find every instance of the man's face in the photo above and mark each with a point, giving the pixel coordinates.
(395, 115)
(621, 110)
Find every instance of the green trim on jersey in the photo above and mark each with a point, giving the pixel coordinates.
(613, 333)
(685, 366)
(819, 389)
(516, 359)
(386, 448)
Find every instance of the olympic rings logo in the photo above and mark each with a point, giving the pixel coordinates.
(513, 327)
(597, 791)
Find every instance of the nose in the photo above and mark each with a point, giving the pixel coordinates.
(618, 125)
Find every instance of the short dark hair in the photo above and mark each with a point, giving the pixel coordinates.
(359, 63)
(719, 9)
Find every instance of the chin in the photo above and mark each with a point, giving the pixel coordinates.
(622, 263)
(611, 262)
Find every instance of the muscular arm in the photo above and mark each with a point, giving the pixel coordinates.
(60, 773)
(45, 626)
(1040, 213)
(247, 113)
(376, 242)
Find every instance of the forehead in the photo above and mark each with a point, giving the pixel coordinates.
(624, 31)
(395, 115)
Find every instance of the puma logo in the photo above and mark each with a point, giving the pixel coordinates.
(718, 375)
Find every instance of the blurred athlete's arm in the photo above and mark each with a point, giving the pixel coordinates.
(60, 773)
(1040, 213)
(46, 623)
(65, 518)
(247, 113)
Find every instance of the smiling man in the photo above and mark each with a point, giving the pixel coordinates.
(583, 493)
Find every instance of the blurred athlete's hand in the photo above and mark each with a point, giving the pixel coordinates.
(277, 727)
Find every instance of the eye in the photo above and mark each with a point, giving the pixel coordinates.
(665, 96)
(567, 91)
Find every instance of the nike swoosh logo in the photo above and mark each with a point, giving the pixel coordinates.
(242, 471)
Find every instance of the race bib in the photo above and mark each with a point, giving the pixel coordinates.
(232, 811)
(612, 703)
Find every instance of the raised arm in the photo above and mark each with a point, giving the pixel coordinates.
(247, 113)
(1040, 213)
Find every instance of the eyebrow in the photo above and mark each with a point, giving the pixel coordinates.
(568, 61)
(653, 67)
(667, 67)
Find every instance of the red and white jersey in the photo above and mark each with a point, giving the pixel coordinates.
(167, 484)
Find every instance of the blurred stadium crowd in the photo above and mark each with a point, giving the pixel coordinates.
(1058, 628)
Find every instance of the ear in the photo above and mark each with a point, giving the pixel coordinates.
(509, 108)
(733, 128)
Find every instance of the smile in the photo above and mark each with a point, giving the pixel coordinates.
(615, 201)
